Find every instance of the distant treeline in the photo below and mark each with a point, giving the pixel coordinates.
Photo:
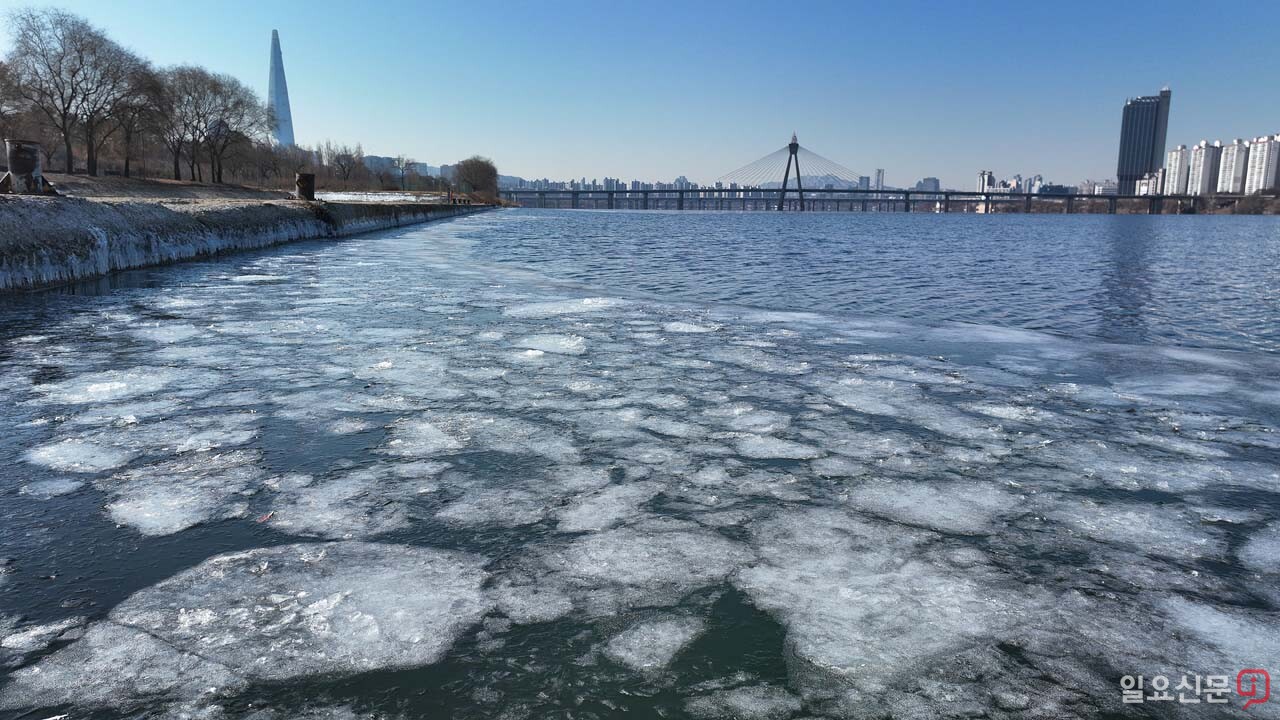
(97, 108)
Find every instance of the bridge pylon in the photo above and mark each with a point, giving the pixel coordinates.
(792, 157)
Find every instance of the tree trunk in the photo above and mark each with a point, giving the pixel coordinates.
(66, 146)
(177, 165)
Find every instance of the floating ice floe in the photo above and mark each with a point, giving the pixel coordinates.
(173, 495)
(109, 385)
(557, 344)
(556, 308)
(653, 643)
(267, 615)
(45, 489)
(78, 456)
(755, 702)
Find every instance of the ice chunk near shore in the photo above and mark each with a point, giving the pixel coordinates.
(78, 456)
(265, 615)
(652, 644)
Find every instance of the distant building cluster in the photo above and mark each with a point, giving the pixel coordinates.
(1144, 168)
(1241, 167)
(987, 183)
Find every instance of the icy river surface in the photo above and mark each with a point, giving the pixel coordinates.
(532, 464)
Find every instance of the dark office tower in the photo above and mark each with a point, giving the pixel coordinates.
(1142, 135)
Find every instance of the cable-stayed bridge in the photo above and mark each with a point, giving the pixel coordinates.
(796, 178)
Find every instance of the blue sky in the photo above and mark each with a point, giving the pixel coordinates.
(655, 90)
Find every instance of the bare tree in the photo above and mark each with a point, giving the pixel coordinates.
(73, 73)
(235, 115)
(402, 164)
(477, 175)
(45, 63)
(345, 160)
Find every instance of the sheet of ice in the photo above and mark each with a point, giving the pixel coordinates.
(109, 385)
(756, 702)
(680, 326)
(766, 446)
(78, 456)
(557, 344)
(37, 637)
(607, 507)
(652, 563)
(45, 489)
(652, 644)
(357, 504)
(173, 495)
(444, 433)
(117, 667)
(969, 508)
(507, 507)
(555, 308)
(266, 615)
(1155, 530)
(871, 603)
(1262, 551)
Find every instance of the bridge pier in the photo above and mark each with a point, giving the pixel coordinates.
(946, 203)
(986, 204)
(1111, 206)
(542, 200)
(1026, 204)
(906, 202)
(680, 200)
(1071, 201)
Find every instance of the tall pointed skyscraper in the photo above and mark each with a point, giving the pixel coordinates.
(278, 97)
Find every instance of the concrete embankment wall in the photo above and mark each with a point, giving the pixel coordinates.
(48, 241)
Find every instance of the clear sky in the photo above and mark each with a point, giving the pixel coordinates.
(655, 90)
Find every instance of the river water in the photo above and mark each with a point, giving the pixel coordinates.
(575, 464)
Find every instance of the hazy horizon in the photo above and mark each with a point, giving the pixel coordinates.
(659, 91)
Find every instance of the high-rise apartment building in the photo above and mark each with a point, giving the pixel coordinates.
(1264, 164)
(1233, 166)
(1176, 171)
(1143, 128)
(1202, 178)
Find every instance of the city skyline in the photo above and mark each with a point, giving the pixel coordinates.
(589, 91)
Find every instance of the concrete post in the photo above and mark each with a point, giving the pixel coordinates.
(1026, 203)
(305, 186)
(906, 202)
(679, 199)
(1111, 206)
(25, 174)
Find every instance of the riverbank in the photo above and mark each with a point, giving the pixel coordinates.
(53, 240)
